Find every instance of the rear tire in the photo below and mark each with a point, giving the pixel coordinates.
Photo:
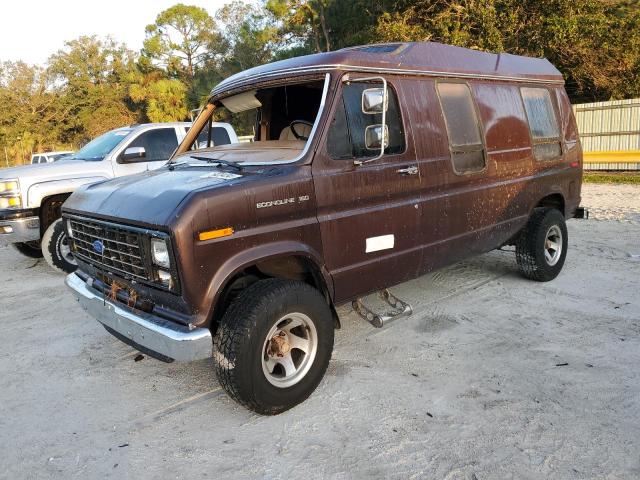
(541, 247)
(273, 345)
(56, 250)
(29, 249)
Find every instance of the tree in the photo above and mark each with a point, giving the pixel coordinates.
(92, 78)
(595, 44)
(30, 110)
(182, 38)
(250, 38)
(305, 19)
(164, 99)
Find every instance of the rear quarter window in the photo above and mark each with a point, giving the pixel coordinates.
(543, 123)
(463, 127)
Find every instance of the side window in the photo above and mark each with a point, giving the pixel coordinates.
(345, 139)
(463, 127)
(158, 144)
(219, 136)
(543, 123)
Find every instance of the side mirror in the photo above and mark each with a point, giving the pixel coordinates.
(134, 154)
(374, 101)
(373, 138)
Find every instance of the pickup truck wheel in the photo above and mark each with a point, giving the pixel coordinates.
(30, 249)
(56, 249)
(542, 246)
(273, 345)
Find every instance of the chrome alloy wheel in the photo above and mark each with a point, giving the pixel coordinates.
(289, 350)
(65, 250)
(553, 245)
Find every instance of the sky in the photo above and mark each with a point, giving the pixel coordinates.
(31, 30)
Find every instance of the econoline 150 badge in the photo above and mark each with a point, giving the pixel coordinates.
(284, 201)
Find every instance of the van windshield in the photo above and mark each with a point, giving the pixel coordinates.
(273, 124)
(99, 147)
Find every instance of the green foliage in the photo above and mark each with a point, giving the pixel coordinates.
(182, 38)
(164, 99)
(612, 177)
(594, 43)
(93, 85)
(90, 78)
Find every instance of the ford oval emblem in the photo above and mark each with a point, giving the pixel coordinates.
(98, 246)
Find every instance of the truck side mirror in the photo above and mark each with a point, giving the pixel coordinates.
(134, 154)
(373, 100)
(373, 138)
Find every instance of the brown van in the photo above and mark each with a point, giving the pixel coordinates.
(368, 166)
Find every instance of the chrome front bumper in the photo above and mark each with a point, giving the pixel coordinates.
(19, 230)
(147, 333)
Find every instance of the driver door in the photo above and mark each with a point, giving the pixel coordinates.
(369, 213)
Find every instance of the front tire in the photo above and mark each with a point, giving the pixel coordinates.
(29, 249)
(56, 249)
(273, 345)
(541, 247)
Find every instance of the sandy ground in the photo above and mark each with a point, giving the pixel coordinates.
(493, 377)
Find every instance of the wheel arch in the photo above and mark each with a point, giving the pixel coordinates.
(553, 200)
(289, 260)
(50, 209)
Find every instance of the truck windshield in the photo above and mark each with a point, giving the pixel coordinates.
(273, 124)
(98, 148)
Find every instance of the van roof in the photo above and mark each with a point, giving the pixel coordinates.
(415, 58)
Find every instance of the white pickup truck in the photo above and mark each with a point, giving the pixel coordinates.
(31, 195)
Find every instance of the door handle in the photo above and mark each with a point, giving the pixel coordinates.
(413, 170)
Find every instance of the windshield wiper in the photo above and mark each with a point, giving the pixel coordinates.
(218, 161)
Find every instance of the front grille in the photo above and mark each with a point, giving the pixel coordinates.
(122, 248)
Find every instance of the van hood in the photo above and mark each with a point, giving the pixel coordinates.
(151, 198)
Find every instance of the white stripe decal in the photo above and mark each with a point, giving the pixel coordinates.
(383, 242)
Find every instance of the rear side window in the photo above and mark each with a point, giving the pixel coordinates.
(543, 123)
(346, 134)
(219, 136)
(463, 128)
(158, 144)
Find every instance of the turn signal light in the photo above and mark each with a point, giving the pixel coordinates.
(211, 234)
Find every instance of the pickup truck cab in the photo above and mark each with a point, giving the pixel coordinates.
(49, 157)
(370, 166)
(31, 195)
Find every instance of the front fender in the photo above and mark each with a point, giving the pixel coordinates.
(38, 191)
(246, 258)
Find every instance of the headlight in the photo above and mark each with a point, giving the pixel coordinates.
(10, 202)
(9, 186)
(160, 253)
(10, 194)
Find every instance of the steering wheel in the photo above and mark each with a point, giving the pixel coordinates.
(293, 130)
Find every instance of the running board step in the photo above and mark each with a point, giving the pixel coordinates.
(378, 320)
